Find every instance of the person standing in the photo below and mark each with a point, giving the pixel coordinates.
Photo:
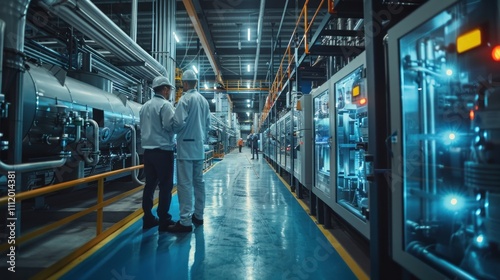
(191, 122)
(157, 140)
(240, 143)
(255, 145)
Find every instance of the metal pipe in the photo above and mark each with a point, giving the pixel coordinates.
(94, 155)
(13, 14)
(25, 167)
(133, 21)
(97, 26)
(281, 24)
(2, 32)
(453, 272)
(259, 39)
(135, 155)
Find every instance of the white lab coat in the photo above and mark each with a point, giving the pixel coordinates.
(191, 122)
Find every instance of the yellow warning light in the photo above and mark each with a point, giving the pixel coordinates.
(469, 40)
(355, 91)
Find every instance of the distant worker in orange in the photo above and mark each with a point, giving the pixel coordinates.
(240, 143)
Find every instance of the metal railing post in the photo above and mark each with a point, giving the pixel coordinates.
(100, 199)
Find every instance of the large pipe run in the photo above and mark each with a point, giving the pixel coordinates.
(93, 23)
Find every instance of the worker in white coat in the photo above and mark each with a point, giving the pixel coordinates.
(191, 122)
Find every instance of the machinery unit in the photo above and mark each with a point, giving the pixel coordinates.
(350, 131)
(322, 141)
(444, 68)
(65, 115)
(303, 165)
(286, 127)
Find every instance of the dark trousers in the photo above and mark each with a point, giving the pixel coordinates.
(255, 152)
(240, 147)
(159, 170)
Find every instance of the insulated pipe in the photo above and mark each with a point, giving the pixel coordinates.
(94, 155)
(25, 167)
(13, 14)
(2, 37)
(135, 156)
(93, 23)
(259, 39)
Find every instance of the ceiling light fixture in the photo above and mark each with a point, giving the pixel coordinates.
(248, 68)
(239, 39)
(194, 69)
(176, 38)
(248, 34)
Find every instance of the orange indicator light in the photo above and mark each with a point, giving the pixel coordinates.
(495, 53)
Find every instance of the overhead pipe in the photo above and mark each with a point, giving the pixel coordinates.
(135, 156)
(133, 21)
(275, 44)
(259, 39)
(84, 15)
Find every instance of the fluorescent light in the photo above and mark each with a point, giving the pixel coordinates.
(195, 70)
(248, 34)
(206, 86)
(248, 68)
(176, 38)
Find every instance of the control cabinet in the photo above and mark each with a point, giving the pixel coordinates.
(444, 63)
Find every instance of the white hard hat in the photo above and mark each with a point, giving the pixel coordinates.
(161, 81)
(189, 75)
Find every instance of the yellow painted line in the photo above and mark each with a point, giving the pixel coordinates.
(351, 263)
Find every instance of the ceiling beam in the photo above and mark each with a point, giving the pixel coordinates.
(205, 39)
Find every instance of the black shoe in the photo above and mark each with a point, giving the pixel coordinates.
(147, 224)
(163, 226)
(196, 221)
(178, 227)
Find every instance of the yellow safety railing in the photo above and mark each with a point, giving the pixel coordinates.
(285, 69)
(98, 207)
(245, 85)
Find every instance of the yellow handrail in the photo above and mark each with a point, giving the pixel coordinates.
(64, 185)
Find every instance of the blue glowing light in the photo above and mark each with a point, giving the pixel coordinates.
(480, 239)
(453, 202)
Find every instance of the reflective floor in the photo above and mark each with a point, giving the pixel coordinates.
(254, 229)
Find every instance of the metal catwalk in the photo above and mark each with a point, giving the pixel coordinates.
(254, 229)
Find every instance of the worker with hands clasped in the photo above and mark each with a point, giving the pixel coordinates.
(157, 140)
(191, 122)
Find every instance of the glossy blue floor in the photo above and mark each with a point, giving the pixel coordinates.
(254, 228)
